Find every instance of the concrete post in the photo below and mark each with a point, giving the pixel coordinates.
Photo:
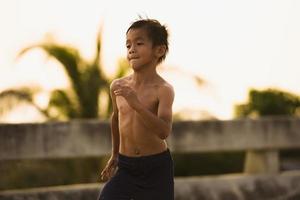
(262, 161)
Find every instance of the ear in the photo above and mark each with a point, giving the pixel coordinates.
(160, 50)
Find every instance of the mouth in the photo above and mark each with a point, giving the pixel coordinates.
(134, 58)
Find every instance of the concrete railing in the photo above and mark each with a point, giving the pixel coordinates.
(227, 187)
(261, 139)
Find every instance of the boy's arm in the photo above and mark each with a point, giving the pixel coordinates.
(115, 135)
(161, 124)
(111, 165)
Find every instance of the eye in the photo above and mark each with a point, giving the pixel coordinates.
(140, 43)
(128, 46)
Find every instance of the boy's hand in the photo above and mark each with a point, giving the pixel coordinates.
(110, 169)
(129, 94)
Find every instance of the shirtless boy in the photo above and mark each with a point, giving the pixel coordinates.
(141, 166)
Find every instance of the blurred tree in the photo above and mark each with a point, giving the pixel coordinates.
(269, 102)
(12, 97)
(87, 82)
(88, 96)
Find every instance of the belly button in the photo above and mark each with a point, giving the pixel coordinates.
(137, 152)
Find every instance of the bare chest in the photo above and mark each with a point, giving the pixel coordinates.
(149, 100)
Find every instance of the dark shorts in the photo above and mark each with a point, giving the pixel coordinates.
(141, 178)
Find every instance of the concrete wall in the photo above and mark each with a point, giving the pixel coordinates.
(230, 187)
(92, 138)
(54, 140)
(244, 134)
(262, 138)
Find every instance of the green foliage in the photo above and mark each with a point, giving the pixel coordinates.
(61, 106)
(198, 164)
(269, 102)
(11, 97)
(32, 173)
(87, 80)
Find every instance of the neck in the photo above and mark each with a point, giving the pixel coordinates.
(144, 76)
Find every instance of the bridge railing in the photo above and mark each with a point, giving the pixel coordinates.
(260, 138)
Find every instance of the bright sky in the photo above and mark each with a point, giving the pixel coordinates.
(232, 44)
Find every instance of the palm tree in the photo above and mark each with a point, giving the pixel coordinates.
(87, 81)
(11, 97)
(86, 78)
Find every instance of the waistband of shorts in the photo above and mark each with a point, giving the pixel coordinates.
(163, 154)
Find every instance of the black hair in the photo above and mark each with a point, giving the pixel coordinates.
(157, 33)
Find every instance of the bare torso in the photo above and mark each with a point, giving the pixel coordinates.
(135, 138)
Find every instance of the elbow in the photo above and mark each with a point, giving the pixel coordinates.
(165, 131)
(163, 134)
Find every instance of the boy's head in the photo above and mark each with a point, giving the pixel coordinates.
(156, 32)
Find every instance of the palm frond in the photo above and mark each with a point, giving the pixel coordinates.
(96, 64)
(11, 98)
(98, 46)
(61, 102)
(21, 95)
(69, 58)
(87, 79)
(92, 84)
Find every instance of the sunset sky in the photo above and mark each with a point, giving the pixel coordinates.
(233, 45)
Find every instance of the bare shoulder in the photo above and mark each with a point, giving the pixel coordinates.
(119, 81)
(165, 89)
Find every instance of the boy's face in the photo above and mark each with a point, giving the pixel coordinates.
(140, 51)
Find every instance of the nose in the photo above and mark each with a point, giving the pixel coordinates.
(131, 49)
